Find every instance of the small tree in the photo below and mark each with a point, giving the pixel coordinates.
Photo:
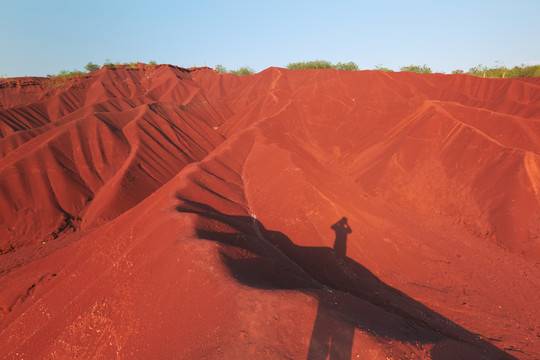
(350, 66)
(244, 70)
(479, 70)
(152, 63)
(65, 74)
(501, 71)
(382, 68)
(316, 64)
(92, 67)
(525, 71)
(109, 63)
(221, 69)
(424, 69)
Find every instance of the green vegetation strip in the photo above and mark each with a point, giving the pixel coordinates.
(498, 71)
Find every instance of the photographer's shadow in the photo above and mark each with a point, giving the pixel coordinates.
(268, 259)
(331, 338)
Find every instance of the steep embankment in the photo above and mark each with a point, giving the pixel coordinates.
(158, 212)
(88, 150)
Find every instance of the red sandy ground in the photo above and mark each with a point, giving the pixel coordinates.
(159, 212)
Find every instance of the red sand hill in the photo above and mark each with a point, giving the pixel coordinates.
(160, 212)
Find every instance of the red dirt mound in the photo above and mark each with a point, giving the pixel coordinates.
(160, 212)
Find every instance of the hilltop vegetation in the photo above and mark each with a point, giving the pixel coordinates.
(501, 71)
(424, 69)
(93, 67)
(323, 64)
(244, 70)
(497, 71)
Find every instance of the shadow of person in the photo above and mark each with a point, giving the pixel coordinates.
(331, 339)
(350, 296)
(342, 229)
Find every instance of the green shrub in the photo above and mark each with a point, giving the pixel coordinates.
(525, 71)
(67, 74)
(92, 67)
(350, 66)
(152, 63)
(484, 71)
(244, 70)
(424, 69)
(108, 63)
(316, 64)
(501, 71)
(221, 69)
(322, 64)
(131, 64)
(382, 68)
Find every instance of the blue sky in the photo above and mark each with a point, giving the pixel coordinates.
(43, 37)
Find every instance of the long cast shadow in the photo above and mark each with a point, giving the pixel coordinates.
(330, 338)
(268, 259)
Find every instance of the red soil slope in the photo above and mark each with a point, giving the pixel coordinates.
(160, 212)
